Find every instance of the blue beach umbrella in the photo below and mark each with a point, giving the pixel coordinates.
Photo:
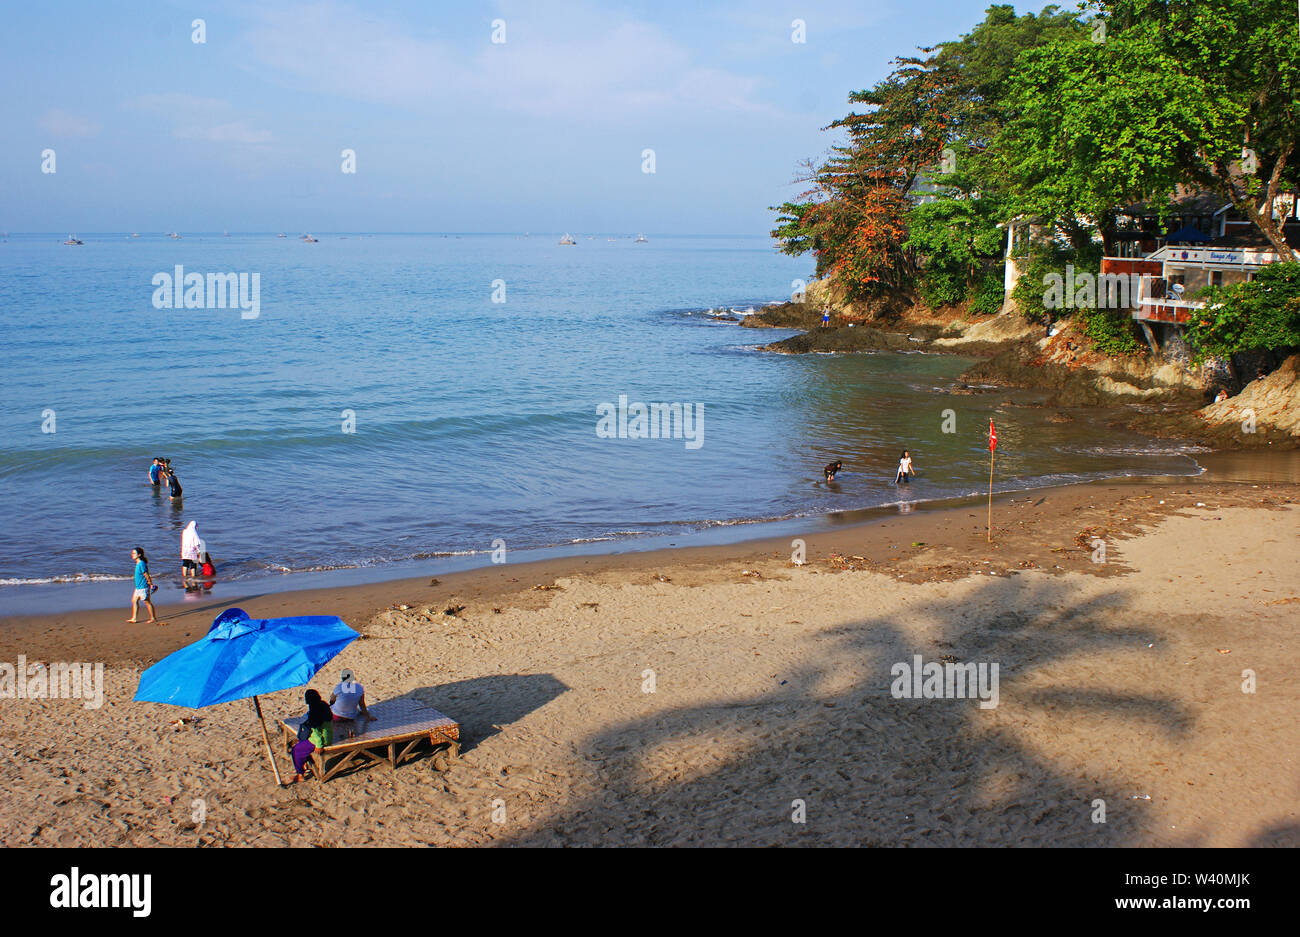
(241, 657)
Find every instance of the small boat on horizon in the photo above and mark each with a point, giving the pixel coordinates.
(642, 239)
(72, 239)
(309, 239)
(174, 236)
(568, 239)
(279, 235)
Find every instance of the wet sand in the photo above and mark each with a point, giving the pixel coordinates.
(1121, 681)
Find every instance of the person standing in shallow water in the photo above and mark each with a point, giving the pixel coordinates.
(173, 484)
(832, 470)
(905, 470)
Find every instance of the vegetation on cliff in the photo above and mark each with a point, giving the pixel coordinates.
(1062, 117)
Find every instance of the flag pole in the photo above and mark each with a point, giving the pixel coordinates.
(990, 496)
(993, 444)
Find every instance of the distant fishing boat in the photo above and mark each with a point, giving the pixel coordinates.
(135, 235)
(174, 236)
(73, 240)
(309, 239)
(568, 239)
(279, 235)
(642, 239)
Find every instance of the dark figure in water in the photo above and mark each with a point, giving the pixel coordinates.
(173, 484)
(832, 470)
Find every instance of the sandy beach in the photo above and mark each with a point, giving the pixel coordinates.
(1120, 681)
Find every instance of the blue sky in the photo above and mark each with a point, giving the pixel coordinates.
(544, 132)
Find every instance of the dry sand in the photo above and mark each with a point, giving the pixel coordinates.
(1119, 681)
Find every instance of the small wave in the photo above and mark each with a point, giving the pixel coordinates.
(73, 577)
(1155, 449)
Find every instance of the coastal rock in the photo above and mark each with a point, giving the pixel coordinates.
(1273, 401)
(841, 340)
(1083, 379)
(997, 331)
(804, 315)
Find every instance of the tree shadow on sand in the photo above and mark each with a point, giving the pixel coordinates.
(875, 770)
(484, 705)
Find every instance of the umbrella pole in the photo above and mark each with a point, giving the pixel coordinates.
(266, 740)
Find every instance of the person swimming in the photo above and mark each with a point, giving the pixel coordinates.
(905, 470)
(832, 470)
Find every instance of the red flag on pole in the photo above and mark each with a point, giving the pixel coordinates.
(993, 444)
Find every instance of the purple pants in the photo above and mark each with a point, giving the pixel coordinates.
(301, 752)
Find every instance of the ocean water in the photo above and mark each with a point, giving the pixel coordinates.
(474, 421)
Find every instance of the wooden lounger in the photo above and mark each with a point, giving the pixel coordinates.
(398, 727)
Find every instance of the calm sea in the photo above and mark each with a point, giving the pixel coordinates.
(382, 410)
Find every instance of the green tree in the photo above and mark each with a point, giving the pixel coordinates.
(1178, 92)
(1263, 313)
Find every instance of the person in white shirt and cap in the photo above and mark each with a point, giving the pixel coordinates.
(348, 699)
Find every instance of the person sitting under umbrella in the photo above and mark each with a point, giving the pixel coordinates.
(316, 731)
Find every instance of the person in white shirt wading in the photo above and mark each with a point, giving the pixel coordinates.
(905, 470)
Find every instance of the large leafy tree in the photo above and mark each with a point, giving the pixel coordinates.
(1165, 92)
(852, 216)
(858, 214)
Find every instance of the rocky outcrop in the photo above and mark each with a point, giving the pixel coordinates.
(785, 316)
(850, 338)
(1271, 402)
(978, 337)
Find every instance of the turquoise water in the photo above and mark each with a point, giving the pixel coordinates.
(475, 421)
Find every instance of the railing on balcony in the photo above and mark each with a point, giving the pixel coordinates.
(1158, 303)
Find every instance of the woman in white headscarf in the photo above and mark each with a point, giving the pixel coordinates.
(191, 551)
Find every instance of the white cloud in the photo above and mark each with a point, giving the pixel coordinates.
(608, 69)
(64, 124)
(207, 119)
